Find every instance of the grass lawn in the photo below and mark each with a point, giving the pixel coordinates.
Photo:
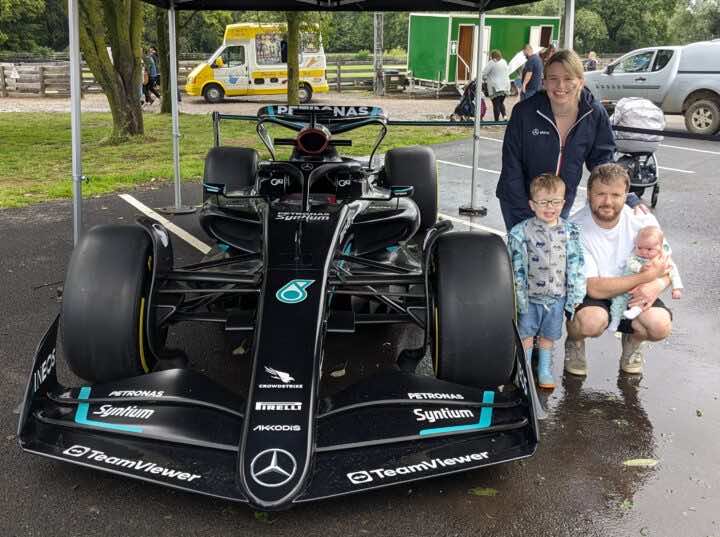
(35, 151)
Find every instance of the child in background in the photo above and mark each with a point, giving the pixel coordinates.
(548, 267)
(649, 244)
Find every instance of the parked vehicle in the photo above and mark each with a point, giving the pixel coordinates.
(679, 79)
(253, 61)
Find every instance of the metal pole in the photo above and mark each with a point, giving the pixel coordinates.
(569, 24)
(471, 209)
(178, 208)
(379, 85)
(75, 125)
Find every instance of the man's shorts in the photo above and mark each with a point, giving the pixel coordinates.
(625, 324)
(541, 320)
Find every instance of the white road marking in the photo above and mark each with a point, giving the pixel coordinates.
(472, 224)
(691, 149)
(181, 233)
(675, 170)
(467, 166)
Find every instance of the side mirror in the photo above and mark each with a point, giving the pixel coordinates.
(218, 63)
(609, 69)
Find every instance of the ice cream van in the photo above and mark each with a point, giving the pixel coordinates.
(253, 61)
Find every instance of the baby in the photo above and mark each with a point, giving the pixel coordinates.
(649, 244)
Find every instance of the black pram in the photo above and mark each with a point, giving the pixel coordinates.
(465, 110)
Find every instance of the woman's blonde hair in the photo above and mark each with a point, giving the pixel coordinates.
(570, 62)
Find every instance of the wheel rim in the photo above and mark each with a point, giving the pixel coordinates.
(303, 94)
(213, 94)
(702, 118)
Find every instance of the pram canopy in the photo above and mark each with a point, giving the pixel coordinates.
(638, 113)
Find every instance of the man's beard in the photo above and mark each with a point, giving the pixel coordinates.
(603, 217)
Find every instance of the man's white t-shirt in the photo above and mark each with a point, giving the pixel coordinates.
(607, 250)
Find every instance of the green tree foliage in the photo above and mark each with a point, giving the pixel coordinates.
(20, 23)
(353, 31)
(695, 20)
(633, 24)
(590, 31)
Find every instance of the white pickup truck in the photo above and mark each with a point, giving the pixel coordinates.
(679, 79)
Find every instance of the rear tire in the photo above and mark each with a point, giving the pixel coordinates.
(213, 93)
(234, 167)
(416, 167)
(474, 340)
(104, 304)
(703, 117)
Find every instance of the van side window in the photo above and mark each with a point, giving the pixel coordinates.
(636, 63)
(661, 59)
(233, 56)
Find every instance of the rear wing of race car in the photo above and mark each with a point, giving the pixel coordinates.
(336, 118)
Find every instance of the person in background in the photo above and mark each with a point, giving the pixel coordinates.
(609, 230)
(496, 77)
(591, 64)
(549, 272)
(156, 58)
(152, 73)
(532, 74)
(559, 129)
(547, 53)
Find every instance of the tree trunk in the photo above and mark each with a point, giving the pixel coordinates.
(293, 52)
(163, 48)
(116, 25)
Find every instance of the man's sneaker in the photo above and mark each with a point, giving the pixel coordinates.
(631, 359)
(575, 362)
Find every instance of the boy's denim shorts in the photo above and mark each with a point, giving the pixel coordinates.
(542, 320)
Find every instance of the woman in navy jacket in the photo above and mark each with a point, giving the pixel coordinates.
(557, 131)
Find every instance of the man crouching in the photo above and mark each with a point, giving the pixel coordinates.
(608, 229)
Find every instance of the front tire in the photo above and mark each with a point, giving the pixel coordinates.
(703, 117)
(213, 93)
(474, 340)
(104, 306)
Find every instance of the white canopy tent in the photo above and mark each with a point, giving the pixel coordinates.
(480, 6)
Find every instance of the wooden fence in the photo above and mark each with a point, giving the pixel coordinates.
(53, 79)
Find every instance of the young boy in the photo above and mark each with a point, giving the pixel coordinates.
(548, 266)
(649, 244)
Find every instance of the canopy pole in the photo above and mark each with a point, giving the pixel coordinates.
(178, 208)
(569, 36)
(472, 209)
(75, 125)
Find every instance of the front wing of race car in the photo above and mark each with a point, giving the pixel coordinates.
(180, 429)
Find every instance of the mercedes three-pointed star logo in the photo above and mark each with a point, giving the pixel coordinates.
(273, 467)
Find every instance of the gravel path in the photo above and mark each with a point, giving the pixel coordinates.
(397, 107)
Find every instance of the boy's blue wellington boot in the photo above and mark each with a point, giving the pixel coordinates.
(545, 377)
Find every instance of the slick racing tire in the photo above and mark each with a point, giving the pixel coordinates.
(213, 93)
(416, 167)
(473, 323)
(233, 167)
(305, 93)
(104, 304)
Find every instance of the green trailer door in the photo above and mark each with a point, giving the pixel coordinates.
(428, 46)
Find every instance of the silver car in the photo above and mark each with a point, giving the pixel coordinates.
(679, 79)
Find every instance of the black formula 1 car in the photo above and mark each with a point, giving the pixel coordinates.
(310, 246)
